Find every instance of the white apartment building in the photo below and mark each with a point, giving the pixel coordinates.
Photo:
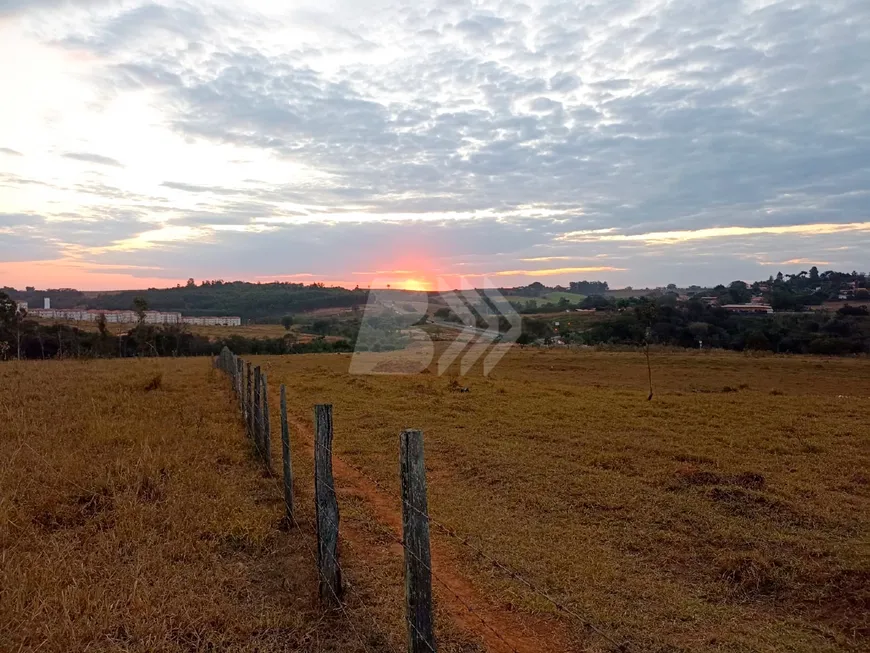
(212, 321)
(131, 317)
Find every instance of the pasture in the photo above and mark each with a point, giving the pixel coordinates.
(552, 297)
(730, 513)
(211, 332)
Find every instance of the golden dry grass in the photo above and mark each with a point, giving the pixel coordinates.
(728, 514)
(211, 332)
(132, 518)
(731, 513)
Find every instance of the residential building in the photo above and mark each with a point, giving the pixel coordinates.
(131, 317)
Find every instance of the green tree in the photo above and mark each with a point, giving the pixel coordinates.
(11, 318)
(8, 308)
(814, 274)
(739, 292)
(101, 326)
(287, 322)
(140, 305)
(758, 341)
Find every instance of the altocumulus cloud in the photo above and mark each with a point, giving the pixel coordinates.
(678, 141)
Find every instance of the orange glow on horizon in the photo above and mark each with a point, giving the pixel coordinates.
(415, 284)
(65, 273)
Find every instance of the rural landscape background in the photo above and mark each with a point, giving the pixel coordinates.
(434, 326)
(729, 513)
(610, 486)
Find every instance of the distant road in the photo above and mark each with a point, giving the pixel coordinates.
(461, 327)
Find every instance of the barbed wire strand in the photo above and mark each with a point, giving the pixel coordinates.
(356, 592)
(313, 530)
(329, 585)
(621, 646)
(458, 597)
(398, 541)
(404, 547)
(321, 575)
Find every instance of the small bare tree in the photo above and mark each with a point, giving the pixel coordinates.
(20, 314)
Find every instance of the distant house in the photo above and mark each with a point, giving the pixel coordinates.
(710, 301)
(749, 309)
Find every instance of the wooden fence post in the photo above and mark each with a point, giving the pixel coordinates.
(258, 412)
(415, 531)
(286, 463)
(240, 384)
(326, 506)
(250, 401)
(266, 435)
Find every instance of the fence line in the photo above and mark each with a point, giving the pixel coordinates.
(447, 530)
(456, 595)
(255, 414)
(286, 464)
(258, 425)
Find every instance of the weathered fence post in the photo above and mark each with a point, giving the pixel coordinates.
(258, 412)
(286, 463)
(250, 401)
(326, 506)
(240, 384)
(266, 436)
(415, 531)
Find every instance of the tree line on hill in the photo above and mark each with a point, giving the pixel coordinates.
(664, 318)
(23, 338)
(696, 324)
(537, 289)
(790, 292)
(265, 302)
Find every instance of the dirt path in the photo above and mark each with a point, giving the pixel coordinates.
(504, 631)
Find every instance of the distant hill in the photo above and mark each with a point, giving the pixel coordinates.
(259, 301)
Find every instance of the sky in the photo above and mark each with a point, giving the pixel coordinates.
(642, 142)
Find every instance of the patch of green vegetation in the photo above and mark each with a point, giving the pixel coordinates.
(572, 297)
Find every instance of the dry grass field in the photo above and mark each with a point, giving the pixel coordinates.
(211, 332)
(730, 513)
(132, 518)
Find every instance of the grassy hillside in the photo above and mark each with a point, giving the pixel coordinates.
(266, 301)
(554, 297)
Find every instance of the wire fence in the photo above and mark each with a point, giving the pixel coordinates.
(251, 388)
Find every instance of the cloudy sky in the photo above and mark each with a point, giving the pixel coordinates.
(638, 141)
